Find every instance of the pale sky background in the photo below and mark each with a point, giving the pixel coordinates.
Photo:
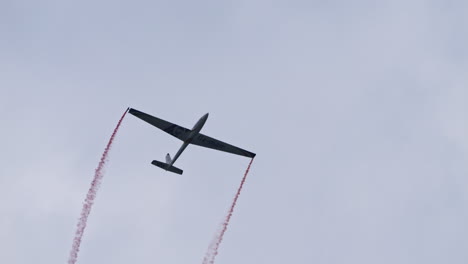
(356, 109)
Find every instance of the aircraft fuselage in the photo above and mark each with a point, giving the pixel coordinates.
(195, 131)
(197, 127)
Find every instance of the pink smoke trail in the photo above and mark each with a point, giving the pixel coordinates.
(89, 201)
(214, 246)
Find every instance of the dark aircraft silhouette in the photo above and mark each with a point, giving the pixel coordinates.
(188, 137)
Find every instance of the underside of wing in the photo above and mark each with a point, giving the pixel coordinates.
(168, 127)
(209, 142)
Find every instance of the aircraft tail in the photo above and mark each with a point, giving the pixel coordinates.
(166, 166)
(168, 158)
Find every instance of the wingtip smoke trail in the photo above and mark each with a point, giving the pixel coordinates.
(89, 201)
(214, 246)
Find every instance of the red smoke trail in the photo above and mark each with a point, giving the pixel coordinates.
(213, 249)
(88, 203)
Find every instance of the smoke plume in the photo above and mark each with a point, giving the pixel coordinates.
(214, 246)
(89, 200)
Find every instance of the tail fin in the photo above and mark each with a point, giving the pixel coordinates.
(166, 166)
(168, 158)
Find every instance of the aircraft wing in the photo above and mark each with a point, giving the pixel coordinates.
(179, 132)
(209, 142)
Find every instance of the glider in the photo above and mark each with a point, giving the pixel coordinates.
(188, 137)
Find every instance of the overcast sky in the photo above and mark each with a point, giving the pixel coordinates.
(356, 109)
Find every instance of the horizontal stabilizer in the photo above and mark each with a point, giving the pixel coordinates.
(166, 166)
